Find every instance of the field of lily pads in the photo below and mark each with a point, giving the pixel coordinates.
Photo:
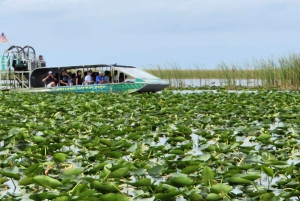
(161, 146)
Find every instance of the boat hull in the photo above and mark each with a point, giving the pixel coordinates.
(97, 88)
(153, 87)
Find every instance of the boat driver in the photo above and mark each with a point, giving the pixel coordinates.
(50, 80)
(41, 59)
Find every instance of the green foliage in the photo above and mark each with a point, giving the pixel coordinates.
(206, 146)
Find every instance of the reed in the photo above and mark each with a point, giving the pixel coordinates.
(280, 73)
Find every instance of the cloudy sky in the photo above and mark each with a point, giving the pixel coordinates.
(144, 32)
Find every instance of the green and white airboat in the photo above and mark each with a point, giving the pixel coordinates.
(21, 71)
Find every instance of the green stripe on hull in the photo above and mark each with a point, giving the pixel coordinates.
(101, 88)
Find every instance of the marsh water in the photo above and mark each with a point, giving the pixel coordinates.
(214, 82)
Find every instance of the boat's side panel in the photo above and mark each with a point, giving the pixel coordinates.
(101, 88)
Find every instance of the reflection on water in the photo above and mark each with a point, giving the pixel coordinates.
(214, 82)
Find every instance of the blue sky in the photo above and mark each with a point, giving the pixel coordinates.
(144, 33)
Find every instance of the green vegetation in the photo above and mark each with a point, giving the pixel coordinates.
(282, 73)
(207, 146)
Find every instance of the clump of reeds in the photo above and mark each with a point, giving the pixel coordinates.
(281, 73)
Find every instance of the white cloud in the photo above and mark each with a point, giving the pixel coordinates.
(170, 26)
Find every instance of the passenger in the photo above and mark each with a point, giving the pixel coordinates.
(115, 77)
(70, 79)
(78, 79)
(73, 78)
(50, 80)
(41, 59)
(107, 77)
(122, 77)
(64, 78)
(94, 75)
(88, 79)
(100, 79)
(56, 77)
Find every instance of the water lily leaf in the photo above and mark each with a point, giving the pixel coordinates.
(207, 175)
(60, 157)
(168, 188)
(204, 157)
(113, 197)
(47, 181)
(118, 133)
(114, 154)
(190, 169)
(145, 199)
(251, 177)
(3, 180)
(72, 171)
(38, 139)
(219, 188)
(139, 171)
(107, 142)
(212, 196)
(166, 196)
(63, 198)
(196, 197)
(176, 139)
(132, 148)
(87, 193)
(119, 173)
(33, 169)
(290, 169)
(103, 187)
(142, 182)
(177, 175)
(11, 175)
(26, 181)
(268, 171)
(181, 181)
(267, 197)
(176, 151)
(264, 137)
(42, 196)
(79, 189)
(156, 170)
(206, 119)
(246, 166)
(238, 180)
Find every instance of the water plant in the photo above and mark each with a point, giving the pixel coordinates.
(167, 146)
(279, 73)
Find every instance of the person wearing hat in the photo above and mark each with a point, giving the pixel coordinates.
(88, 78)
(41, 59)
(100, 79)
(50, 80)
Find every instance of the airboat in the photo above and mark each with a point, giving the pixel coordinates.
(21, 71)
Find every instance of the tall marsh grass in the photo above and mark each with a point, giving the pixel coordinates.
(281, 73)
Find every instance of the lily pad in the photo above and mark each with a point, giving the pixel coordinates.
(47, 181)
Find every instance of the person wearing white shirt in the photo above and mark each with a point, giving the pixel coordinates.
(88, 78)
(115, 77)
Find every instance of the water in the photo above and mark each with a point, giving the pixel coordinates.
(208, 82)
(214, 82)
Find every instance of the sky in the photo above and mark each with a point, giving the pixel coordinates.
(145, 33)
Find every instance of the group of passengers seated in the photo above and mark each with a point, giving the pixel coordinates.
(101, 78)
(69, 79)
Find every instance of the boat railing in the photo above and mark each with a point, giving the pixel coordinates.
(17, 64)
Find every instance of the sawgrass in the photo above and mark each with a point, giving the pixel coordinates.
(281, 73)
